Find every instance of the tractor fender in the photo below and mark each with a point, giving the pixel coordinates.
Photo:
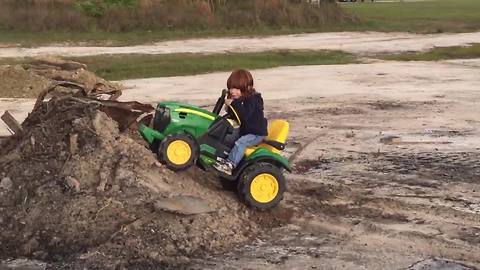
(260, 155)
(279, 162)
(264, 155)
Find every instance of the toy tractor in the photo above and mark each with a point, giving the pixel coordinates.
(184, 135)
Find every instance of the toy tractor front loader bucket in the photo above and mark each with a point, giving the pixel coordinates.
(127, 113)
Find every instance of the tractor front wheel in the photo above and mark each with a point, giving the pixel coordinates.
(178, 152)
(261, 186)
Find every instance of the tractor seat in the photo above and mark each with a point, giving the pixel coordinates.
(275, 141)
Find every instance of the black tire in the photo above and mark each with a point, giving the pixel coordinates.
(246, 179)
(154, 146)
(184, 140)
(228, 184)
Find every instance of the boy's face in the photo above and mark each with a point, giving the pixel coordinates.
(235, 93)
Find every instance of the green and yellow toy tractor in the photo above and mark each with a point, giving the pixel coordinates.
(184, 135)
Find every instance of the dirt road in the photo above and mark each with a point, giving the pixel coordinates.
(356, 42)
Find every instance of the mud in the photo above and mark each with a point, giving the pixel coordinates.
(95, 205)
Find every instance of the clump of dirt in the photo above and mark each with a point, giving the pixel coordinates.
(385, 105)
(388, 105)
(319, 164)
(31, 79)
(306, 165)
(80, 193)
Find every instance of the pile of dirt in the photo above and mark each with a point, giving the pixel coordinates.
(76, 192)
(30, 80)
(17, 82)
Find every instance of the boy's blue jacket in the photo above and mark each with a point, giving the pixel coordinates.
(250, 111)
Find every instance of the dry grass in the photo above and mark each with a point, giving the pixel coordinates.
(40, 15)
(61, 15)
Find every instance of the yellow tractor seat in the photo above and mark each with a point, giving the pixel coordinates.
(277, 132)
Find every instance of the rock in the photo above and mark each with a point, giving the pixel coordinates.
(73, 143)
(31, 246)
(23, 264)
(54, 241)
(439, 264)
(186, 205)
(73, 183)
(6, 183)
(390, 139)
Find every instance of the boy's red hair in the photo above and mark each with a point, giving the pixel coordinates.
(243, 80)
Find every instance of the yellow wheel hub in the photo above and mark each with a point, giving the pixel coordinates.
(179, 152)
(264, 188)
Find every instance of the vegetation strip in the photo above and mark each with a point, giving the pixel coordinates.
(122, 67)
(440, 53)
(417, 16)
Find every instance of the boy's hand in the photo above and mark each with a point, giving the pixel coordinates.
(228, 102)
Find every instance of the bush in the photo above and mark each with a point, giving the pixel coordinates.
(128, 15)
(44, 15)
(97, 8)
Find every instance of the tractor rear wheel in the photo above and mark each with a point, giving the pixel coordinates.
(261, 186)
(178, 152)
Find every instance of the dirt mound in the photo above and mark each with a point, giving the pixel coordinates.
(32, 84)
(77, 192)
(30, 80)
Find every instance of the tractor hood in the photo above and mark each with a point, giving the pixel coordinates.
(175, 118)
(177, 106)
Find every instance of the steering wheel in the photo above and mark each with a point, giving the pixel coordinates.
(235, 114)
(220, 102)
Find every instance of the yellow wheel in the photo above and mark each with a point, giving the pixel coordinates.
(178, 152)
(264, 188)
(261, 186)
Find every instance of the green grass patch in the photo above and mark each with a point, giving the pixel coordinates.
(122, 67)
(135, 66)
(424, 17)
(440, 53)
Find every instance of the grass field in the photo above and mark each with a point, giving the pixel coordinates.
(133, 66)
(121, 67)
(441, 53)
(424, 17)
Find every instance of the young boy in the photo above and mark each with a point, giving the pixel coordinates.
(248, 104)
